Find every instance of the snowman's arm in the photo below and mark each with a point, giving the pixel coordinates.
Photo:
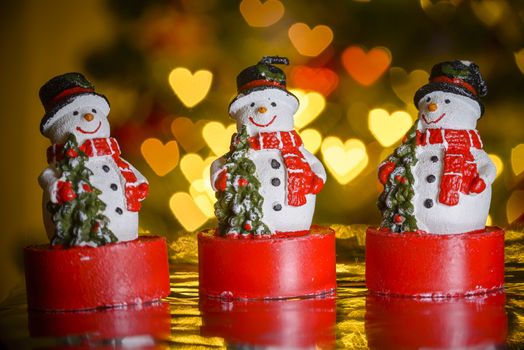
(139, 177)
(314, 163)
(216, 168)
(48, 178)
(485, 167)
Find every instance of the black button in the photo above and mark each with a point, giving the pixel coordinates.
(275, 164)
(428, 203)
(431, 178)
(114, 187)
(434, 159)
(277, 207)
(106, 168)
(119, 210)
(275, 181)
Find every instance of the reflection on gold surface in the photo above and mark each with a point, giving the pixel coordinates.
(513, 252)
(196, 340)
(351, 333)
(185, 323)
(184, 249)
(516, 335)
(358, 269)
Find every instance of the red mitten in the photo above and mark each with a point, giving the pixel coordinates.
(384, 171)
(64, 192)
(143, 190)
(316, 184)
(221, 181)
(477, 185)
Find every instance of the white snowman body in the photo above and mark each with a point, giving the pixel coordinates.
(444, 110)
(272, 110)
(86, 118)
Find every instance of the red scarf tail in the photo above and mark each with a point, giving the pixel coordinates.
(460, 170)
(299, 173)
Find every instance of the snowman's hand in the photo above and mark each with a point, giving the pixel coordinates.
(485, 166)
(48, 177)
(384, 171)
(143, 191)
(477, 186)
(316, 184)
(217, 167)
(221, 181)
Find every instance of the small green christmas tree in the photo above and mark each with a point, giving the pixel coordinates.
(239, 206)
(395, 200)
(78, 215)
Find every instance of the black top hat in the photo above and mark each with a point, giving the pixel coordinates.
(262, 76)
(458, 77)
(61, 90)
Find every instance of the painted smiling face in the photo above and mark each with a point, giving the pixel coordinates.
(265, 110)
(85, 117)
(448, 111)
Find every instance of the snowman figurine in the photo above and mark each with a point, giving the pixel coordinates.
(284, 175)
(439, 180)
(73, 108)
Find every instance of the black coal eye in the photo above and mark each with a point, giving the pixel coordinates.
(93, 110)
(75, 113)
(273, 104)
(252, 104)
(447, 101)
(428, 99)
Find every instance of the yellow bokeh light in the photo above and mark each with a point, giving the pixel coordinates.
(489, 11)
(261, 14)
(205, 205)
(193, 166)
(519, 60)
(405, 85)
(218, 137)
(162, 158)
(312, 140)
(498, 163)
(311, 105)
(186, 211)
(190, 88)
(388, 128)
(203, 195)
(344, 160)
(517, 159)
(310, 42)
(366, 67)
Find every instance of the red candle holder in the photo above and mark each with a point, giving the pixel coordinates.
(267, 268)
(81, 278)
(429, 265)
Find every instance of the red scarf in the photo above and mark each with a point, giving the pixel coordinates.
(460, 173)
(135, 191)
(299, 173)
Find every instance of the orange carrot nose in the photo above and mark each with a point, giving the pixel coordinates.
(262, 109)
(432, 107)
(88, 117)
